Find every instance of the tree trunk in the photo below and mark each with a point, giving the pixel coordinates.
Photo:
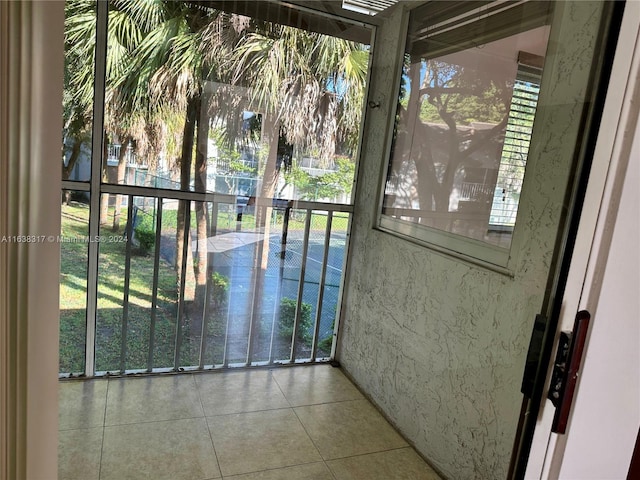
(201, 186)
(264, 205)
(263, 210)
(122, 170)
(185, 179)
(427, 182)
(416, 142)
(68, 168)
(202, 220)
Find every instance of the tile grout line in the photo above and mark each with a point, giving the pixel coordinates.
(275, 380)
(293, 409)
(104, 421)
(274, 469)
(152, 421)
(206, 421)
(333, 475)
(310, 438)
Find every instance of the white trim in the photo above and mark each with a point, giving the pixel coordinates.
(31, 69)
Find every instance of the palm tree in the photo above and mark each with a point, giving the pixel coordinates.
(309, 88)
(163, 55)
(127, 120)
(174, 64)
(78, 81)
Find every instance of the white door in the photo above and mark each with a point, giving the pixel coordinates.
(604, 278)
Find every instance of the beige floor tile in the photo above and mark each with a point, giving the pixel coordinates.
(310, 471)
(150, 399)
(79, 454)
(345, 429)
(81, 403)
(238, 392)
(250, 442)
(401, 464)
(172, 450)
(315, 384)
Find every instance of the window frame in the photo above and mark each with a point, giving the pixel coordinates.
(463, 248)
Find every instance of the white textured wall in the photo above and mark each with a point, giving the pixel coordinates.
(437, 343)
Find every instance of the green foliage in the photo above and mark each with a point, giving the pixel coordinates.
(145, 232)
(287, 319)
(339, 181)
(218, 299)
(462, 94)
(236, 166)
(300, 179)
(325, 344)
(220, 289)
(328, 185)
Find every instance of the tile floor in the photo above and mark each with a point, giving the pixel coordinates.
(295, 423)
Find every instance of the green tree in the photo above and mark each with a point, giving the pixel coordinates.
(173, 63)
(309, 89)
(336, 182)
(78, 81)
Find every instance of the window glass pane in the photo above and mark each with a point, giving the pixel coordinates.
(464, 124)
(255, 114)
(73, 240)
(117, 289)
(333, 277)
(79, 49)
(203, 100)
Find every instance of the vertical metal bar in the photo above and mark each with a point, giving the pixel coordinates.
(283, 257)
(97, 134)
(285, 232)
(239, 212)
(213, 225)
(323, 275)
(183, 280)
(303, 266)
(154, 293)
(213, 231)
(127, 282)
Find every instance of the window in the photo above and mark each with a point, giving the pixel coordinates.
(467, 102)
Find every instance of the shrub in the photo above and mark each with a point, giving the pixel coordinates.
(287, 318)
(218, 297)
(144, 232)
(219, 290)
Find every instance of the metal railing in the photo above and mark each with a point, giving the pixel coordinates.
(283, 280)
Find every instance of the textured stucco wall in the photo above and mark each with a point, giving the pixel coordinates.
(437, 343)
